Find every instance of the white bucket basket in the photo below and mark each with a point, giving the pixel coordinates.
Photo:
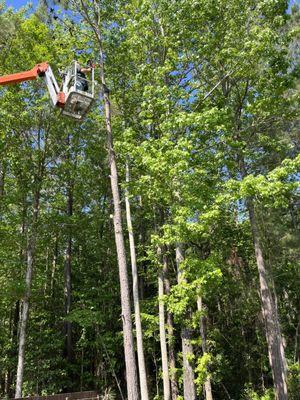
(78, 102)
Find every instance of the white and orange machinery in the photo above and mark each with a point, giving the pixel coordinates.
(69, 98)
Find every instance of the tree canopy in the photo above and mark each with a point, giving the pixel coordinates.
(197, 109)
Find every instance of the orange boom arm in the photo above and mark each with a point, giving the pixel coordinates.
(30, 75)
(44, 70)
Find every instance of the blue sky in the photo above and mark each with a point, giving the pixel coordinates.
(20, 3)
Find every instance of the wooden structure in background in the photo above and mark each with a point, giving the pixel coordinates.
(92, 395)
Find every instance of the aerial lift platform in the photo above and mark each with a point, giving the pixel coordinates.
(73, 101)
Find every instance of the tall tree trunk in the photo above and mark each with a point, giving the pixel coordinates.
(130, 361)
(13, 349)
(138, 324)
(276, 351)
(270, 314)
(170, 329)
(54, 263)
(131, 370)
(2, 178)
(189, 388)
(31, 244)
(14, 331)
(207, 383)
(67, 277)
(162, 334)
(30, 253)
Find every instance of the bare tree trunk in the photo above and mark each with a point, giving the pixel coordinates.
(170, 328)
(138, 324)
(189, 388)
(18, 309)
(30, 253)
(14, 330)
(68, 277)
(131, 370)
(207, 383)
(54, 263)
(2, 178)
(162, 335)
(130, 362)
(276, 352)
(31, 243)
(270, 314)
(172, 357)
(68, 351)
(15, 315)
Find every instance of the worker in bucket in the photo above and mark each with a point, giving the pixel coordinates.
(81, 82)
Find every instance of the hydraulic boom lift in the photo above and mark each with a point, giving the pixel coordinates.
(73, 101)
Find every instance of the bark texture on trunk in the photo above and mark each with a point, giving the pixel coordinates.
(137, 313)
(130, 361)
(270, 314)
(10, 390)
(2, 178)
(172, 357)
(10, 376)
(31, 244)
(68, 278)
(54, 264)
(189, 388)
(163, 340)
(207, 383)
(170, 329)
(30, 254)
(131, 371)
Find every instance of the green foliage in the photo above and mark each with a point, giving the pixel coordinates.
(250, 394)
(195, 161)
(201, 370)
(294, 380)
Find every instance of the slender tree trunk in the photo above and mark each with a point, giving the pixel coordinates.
(142, 240)
(30, 253)
(130, 361)
(2, 178)
(172, 357)
(276, 351)
(31, 243)
(131, 370)
(189, 388)
(68, 277)
(14, 332)
(170, 329)
(270, 314)
(162, 335)
(138, 324)
(207, 383)
(13, 349)
(68, 253)
(54, 263)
